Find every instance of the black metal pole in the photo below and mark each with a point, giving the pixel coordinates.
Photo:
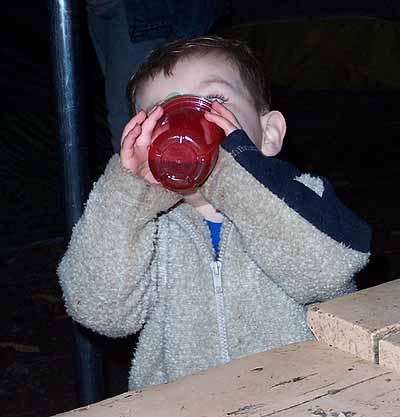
(70, 95)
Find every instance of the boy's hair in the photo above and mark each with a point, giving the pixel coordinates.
(237, 52)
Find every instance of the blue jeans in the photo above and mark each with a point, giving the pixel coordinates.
(172, 19)
(118, 58)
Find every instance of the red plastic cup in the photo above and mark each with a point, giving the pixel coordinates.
(185, 145)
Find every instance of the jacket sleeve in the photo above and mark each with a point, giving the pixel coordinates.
(292, 224)
(105, 273)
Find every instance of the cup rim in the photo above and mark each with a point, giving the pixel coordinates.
(200, 103)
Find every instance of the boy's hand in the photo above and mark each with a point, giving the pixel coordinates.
(135, 143)
(223, 118)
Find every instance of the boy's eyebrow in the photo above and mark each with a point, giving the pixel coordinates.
(215, 80)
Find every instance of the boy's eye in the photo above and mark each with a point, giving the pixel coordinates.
(217, 97)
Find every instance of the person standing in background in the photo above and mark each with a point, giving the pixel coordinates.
(124, 32)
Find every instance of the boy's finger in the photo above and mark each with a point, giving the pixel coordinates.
(148, 126)
(139, 118)
(129, 140)
(223, 111)
(226, 125)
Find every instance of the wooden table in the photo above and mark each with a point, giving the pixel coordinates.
(306, 379)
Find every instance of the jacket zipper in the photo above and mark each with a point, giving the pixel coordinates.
(216, 269)
(219, 297)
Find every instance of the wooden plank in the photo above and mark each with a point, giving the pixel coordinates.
(389, 352)
(299, 380)
(355, 323)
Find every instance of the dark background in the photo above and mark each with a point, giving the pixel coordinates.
(348, 134)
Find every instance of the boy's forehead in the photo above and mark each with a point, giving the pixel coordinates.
(187, 75)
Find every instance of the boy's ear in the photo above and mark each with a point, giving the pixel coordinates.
(274, 128)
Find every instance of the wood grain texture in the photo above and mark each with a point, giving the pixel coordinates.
(299, 380)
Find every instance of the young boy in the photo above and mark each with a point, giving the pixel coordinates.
(142, 257)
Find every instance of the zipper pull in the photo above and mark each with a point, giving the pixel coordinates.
(217, 278)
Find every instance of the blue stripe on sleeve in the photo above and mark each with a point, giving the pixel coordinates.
(327, 213)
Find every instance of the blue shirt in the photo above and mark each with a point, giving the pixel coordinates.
(215, 229)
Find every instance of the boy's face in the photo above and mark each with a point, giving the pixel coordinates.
(211, 76)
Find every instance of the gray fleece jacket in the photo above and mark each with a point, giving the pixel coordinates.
(140, 259)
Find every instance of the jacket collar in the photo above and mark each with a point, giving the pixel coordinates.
(195, 224)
